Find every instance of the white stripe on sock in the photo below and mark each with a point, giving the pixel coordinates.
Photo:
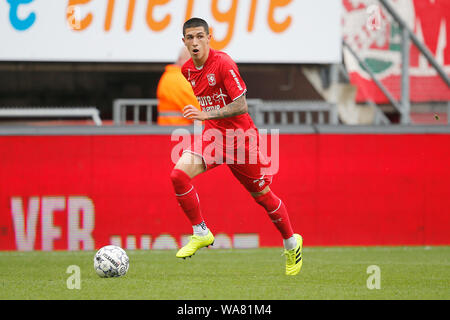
(183, 194)
(276, 209)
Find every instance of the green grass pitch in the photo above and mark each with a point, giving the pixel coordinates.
(245, 274)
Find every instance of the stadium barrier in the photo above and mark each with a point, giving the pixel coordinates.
(263, 112)
(295, 113)
(120, 107)
(52, 112)
(81, 188)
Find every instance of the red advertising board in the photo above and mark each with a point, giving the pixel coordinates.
(83, 192)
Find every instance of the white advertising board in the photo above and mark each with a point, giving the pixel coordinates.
(251, 31)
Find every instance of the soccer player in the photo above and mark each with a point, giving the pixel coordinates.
(221, 91)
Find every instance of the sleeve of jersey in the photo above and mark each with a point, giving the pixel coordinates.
(232, 80)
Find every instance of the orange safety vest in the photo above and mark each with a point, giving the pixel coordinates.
(174, 92)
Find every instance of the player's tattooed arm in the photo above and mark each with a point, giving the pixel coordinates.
(235, 108)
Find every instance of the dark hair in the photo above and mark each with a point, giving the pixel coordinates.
(195, 22)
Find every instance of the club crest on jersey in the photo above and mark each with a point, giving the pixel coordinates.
(193, 83)
(211, 79)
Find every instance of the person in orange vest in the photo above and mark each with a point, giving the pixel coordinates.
(174, 93)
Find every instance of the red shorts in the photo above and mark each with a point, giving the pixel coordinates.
(247, 163)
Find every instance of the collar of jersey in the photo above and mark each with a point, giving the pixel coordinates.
(211, 54)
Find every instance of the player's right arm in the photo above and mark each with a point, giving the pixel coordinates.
(235, 108)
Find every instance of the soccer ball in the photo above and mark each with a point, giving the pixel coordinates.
(111, 261)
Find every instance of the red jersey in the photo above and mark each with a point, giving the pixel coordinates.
(216, 84)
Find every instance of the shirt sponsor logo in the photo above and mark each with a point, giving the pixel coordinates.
(216, 99)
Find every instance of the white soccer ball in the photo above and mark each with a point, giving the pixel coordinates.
(111, 261)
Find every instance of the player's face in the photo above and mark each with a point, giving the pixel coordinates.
(197, 42)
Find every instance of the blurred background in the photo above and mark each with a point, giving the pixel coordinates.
(359, 90)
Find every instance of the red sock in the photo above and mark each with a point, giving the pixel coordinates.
(187, 196)
(277, 213)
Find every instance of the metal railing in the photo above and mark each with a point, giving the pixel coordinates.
(295, 113)
(120, 107)
(148, 107)
(52, 112)
(262, 112)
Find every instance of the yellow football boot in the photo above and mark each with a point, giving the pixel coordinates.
(294, 259)
(194, 244)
